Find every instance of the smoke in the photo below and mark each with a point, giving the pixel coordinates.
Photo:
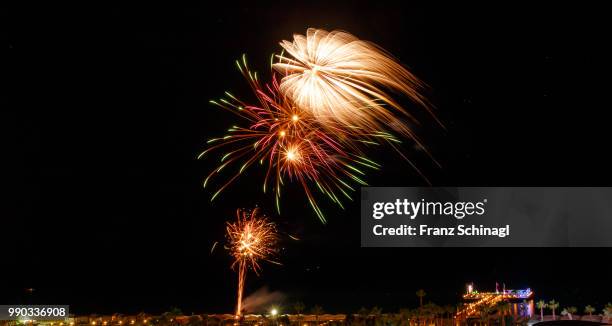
(261, 300)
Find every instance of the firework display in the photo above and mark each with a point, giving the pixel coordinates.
(336, 76)
(252, 238)
(314, 121)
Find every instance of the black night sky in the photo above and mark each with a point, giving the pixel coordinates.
(108, 109)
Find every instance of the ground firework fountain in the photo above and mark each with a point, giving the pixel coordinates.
(252, 238)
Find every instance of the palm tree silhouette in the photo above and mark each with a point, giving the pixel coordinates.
(589, 310)
(503, 307)
(542, 305)
(570, 311)
(317, 311)
(376, 313)
(553, 305)
(485, 313)
(299, 307)
(404, 317)
(420, 293)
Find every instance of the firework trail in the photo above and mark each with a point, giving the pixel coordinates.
(252, 238)
(326, 104)
(338, 77)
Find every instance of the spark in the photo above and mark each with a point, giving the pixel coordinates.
(292, 154)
